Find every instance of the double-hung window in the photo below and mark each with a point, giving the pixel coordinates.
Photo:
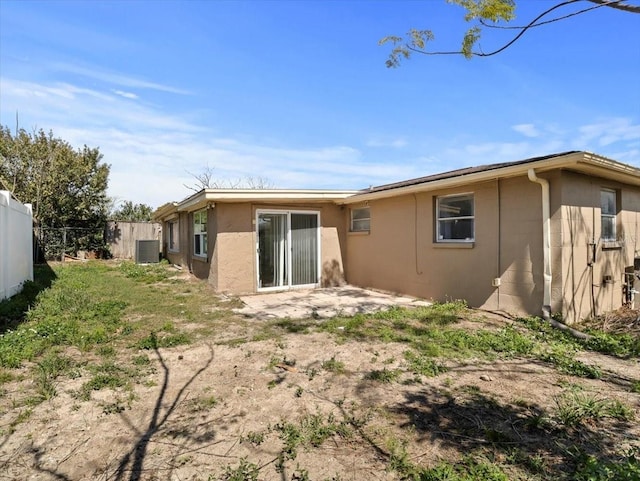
(455, 218)
(608, 211)
(200, 233)
(360, 220)
(173, 235)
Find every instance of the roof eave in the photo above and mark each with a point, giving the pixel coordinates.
(209, 197)
(580, 161)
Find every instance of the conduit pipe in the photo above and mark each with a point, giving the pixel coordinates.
(546, 258)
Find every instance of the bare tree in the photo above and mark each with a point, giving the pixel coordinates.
(207, 180)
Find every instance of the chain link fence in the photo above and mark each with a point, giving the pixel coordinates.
(54, 243)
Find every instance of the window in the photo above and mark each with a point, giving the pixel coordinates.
(608, 212)
(360, 220)
(173, 235)
(200, 233)
(455, 218)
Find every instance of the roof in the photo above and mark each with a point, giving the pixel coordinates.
(209, 197)
(461, 172)
(578, 161)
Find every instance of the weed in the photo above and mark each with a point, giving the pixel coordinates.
(113, 408)
(574, 408)
(144, 273)
(156, 341)
(420, 364)
(635, 386)
(107, 375)
(141, 360)
(245, 471)
(294, 326)
(106, 351)
(6, 376)
(333, 365)
(48, 370)
(620, 345)
(300, 474)
(311, 430)
(467, 470)
(22, 417)
(299, 391)
(203, 403)
(568, 365)
(383, 375)
(255, 438)
(626, 468)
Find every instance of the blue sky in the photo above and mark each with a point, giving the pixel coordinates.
(297, 91)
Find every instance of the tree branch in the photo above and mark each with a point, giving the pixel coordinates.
(508, 44)
(420, 37)
(539, 24)
(618, 4)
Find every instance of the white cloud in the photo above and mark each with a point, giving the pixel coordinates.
(528, 130)
(126, 95)
(608, 131)
(397, 143)
(116, 78)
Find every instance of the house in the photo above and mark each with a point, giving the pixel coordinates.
(553, 234)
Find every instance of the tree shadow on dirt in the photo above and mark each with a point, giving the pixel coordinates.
(468, 420)
(131, 464)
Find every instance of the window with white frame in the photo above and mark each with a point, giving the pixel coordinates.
(172, 227)
(360, 219)
(608, 211)
(455, 218)
(200, 233)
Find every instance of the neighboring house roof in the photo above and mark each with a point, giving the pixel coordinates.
(578, 161)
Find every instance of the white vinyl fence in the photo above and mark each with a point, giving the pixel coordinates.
(16, 245)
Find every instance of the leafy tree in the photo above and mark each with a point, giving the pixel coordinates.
(488, 14)
(131, 212)
(66, 186)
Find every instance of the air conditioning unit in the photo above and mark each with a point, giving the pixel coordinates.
(147, 251)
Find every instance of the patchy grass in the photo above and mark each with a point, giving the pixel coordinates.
(110, 331)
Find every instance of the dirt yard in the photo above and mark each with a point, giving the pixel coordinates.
(241, 404)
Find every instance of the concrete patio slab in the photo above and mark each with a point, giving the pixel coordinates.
(322, 303)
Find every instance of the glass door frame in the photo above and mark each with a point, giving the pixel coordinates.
(289, 260)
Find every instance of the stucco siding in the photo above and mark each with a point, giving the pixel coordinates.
(521, 253)
(400, 253)
(333, 238)
(233, 259)
(235, 246)
(593, 269)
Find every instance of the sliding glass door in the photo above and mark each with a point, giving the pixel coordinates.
(288, 249)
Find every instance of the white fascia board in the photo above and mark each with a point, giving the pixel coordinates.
(210, 196)
(162, 212)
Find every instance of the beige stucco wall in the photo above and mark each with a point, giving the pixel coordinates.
(521, 253)
(180, 256)
(233, 263)
(584, 290)
(400, 253)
